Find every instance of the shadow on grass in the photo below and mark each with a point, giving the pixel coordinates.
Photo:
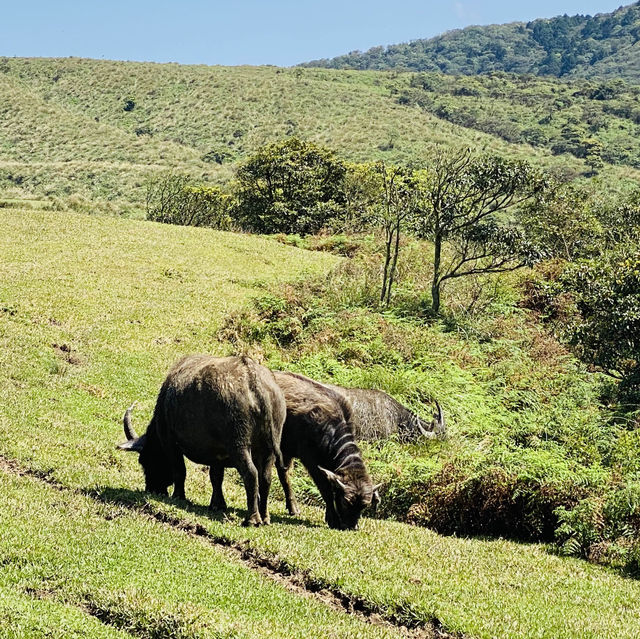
(139, 500)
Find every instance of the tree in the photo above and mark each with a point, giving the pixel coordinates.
(290, 187)
(620, 221)
(380, 196)
(459, 201)
(564, 223)
(163, 193)
(593, 154)
(391, 213)
(606, 330)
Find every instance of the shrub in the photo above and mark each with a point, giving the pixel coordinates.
(607, 328)
(479, 496)
(604, 529)
(172, 199)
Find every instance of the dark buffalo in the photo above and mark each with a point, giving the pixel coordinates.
(218, 411)
(317, 431)
(376, 415)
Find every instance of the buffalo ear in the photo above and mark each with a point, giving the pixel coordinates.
(332, 477)
(133, 445)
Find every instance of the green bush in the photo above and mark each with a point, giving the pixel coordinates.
(172, 199)
(604, 529)
(289, 187)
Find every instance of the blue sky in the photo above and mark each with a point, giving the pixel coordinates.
(281, 32)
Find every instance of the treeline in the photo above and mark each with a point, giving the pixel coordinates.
(459, 201)
(561, 46)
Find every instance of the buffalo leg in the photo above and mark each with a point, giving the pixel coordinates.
(264, 480)
(179, 472)
(249, 474)
(216, 474)
(285, 480)
(319, 479)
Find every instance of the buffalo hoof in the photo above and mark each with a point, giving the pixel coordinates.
(294, 511)
(218, 508)
(254, 520)
(266, 520)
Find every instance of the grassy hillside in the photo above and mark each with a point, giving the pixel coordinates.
(92, 312)
(605, 45)
(74, 130)
(584, 119)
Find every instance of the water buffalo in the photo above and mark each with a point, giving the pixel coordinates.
(218, 411)
(376, 415)
(317, 430)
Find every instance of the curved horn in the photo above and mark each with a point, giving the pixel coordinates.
(441, 426)
(126, 421)
(332, 477)
(422, 427)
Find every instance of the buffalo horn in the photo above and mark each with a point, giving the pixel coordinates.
(441, 426)
(423, 431)
(126, 421)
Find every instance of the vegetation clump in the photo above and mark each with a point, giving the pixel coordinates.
(297, 187)
(289, 187)
(174, 199)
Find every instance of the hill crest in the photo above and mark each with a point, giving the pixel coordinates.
(578, 46)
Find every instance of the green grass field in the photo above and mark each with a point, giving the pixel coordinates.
(93, 310)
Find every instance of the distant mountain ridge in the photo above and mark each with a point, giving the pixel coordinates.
(605, 45)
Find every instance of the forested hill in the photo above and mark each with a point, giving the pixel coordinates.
(605, 45)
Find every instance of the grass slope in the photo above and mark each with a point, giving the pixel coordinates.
(89, 565)
(65, 130)
(92, 312)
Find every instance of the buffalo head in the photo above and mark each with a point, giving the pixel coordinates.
(157, 471)
(352, 492)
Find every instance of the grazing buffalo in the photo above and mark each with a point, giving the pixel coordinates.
(317, 430)
(376, 415)
(218, 411)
